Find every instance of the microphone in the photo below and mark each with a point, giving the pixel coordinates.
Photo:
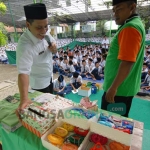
(47, 38)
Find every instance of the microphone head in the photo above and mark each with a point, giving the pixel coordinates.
(47, 38)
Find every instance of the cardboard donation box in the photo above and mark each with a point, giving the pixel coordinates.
(84, 91)
(40, 116)
(37, 120)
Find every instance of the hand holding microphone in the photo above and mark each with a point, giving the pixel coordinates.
(52, 46)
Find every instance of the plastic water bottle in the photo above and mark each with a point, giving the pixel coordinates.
(94, 90)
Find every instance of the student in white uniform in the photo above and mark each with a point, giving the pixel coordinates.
(105, 43)
(61, 62)
(103, 61)
(96, 72)
(78, 57)
(144, 71)
(146, 80)
(84, 69)
(94, 58)
(59, 85)
(90, 64)
(34, 54)
(65, 67)
(71, 69)
(75, 63)
(76, 81)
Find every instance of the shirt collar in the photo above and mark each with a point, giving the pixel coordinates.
(33, 38)
(129, 19)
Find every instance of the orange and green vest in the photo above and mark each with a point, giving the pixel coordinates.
(131, 85)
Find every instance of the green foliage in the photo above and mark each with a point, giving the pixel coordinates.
(3, 39)
(89, 2)
(107, 4)
(144, 12)
(145, 21)
(2, 28)
(100, 27)
(3, 32)
(3, 8)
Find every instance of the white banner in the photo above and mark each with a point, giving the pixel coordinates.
(92, 24)
(86, 28)
(77, 26)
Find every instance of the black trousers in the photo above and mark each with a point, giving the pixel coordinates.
(48, 89)
(118, 99)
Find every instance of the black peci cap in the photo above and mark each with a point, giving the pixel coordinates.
(115, 2)
(35, 11)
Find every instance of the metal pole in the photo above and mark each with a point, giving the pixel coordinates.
(13, 20)
(110, 28)
(74, 33)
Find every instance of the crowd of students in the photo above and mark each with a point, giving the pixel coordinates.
(64, 42)
(81, 62)
(88, 61)
(3, 56)
(145, 77)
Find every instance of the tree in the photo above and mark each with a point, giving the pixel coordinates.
(144, 12)
(3, 8)
(100, 27)
(3, 37)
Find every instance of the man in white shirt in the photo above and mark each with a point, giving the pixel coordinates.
(105, 43)
(34, 54)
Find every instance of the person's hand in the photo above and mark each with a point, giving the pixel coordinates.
(75, 90)
(60, 90)
(53, 48)
(143, 87)
(110, 94)
(22, 105)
